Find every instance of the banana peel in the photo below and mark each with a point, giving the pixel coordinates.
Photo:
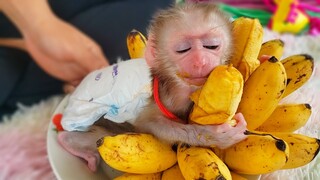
(217, 101)
(247, 35)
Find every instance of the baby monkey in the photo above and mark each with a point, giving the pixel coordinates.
(185, 43)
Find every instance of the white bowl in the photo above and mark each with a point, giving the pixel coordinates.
(67, 166)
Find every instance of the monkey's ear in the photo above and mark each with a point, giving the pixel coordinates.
(150, 51)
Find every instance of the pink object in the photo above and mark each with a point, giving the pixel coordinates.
(24, 156)
(314, 26)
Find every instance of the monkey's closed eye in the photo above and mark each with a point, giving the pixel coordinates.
(211, 47)
(183, 50)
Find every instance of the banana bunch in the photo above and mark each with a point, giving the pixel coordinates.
(266, 83)
(271, 144)
(136, 44)
(248, 85)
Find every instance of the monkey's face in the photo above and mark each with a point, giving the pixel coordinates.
(195, 46)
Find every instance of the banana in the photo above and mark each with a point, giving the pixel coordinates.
(217, 101)
(136, 153)
(262, 92)
(129, 176)
(299, 69)
(287, 118)
(258, 154)
(272, 47)
(136, 44)
(201, 163)
(303, 149)
(248, 36)
(236, 176)
(172, 173)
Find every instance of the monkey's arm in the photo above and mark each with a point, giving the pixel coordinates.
(171, 131)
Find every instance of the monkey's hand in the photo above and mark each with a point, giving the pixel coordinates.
(223, 135)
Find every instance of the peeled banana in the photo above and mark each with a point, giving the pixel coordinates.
(274, 47)
(201, 163)
(217, 101)
(172, 173)
(287, 118)
(136, 44)
(258, 154)
(299, 69)
(303, 149)
(262, 92)
(136, 153)
(129, 176)
(248, 36)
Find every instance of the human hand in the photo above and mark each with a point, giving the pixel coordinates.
(57, 47)
(63, 51)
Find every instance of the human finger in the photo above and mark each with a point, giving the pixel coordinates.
(93, 58)
(68, 88)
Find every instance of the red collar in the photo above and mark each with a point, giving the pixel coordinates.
(162, 108)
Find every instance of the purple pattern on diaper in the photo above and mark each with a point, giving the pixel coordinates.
(98, 76)
(115, 70)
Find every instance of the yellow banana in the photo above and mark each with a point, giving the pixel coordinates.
(299, 69)
(129, 176)
(262, 92)
(258, 154)
(172, 173)
(248, 36)
(136, 153)
(201, 163)
(217, 101)
(287, 118)
(136, 44)
(272, 47)
(303, 149)
(236, 176)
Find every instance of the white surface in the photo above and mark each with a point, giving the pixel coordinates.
(67, 166)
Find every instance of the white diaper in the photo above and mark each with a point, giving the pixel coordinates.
(118, 92)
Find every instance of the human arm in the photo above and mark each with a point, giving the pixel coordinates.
(59, 48)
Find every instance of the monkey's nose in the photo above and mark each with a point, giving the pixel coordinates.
(200, 61)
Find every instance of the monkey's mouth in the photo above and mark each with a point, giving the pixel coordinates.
(197, 81)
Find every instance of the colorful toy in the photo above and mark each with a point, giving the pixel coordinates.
(290, 16)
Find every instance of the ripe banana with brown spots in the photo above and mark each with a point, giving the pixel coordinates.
(258, 154)
(299, 69)
(201, 163)
(172, 173)
(303, 149)
(287, 118)
(262, 92)
(273, 47)
(136, 44)
(130, 176)
(136, 153)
